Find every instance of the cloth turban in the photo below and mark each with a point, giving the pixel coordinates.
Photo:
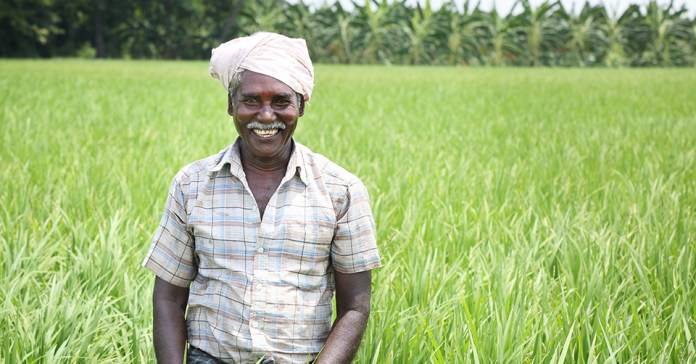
(285, 59)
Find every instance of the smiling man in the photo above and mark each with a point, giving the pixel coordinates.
(255, 239)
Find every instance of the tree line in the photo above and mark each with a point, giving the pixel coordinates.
(371, 32)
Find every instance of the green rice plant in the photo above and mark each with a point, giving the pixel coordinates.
(524, 215)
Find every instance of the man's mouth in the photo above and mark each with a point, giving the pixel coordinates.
(265, 130)
(265, 133)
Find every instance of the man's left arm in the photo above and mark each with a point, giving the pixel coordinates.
(353, 291)
(353, 255)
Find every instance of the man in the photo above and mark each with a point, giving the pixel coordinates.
(256, 238)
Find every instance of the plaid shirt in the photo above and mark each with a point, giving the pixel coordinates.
(262, 286)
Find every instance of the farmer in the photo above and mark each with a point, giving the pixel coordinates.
(256, 238)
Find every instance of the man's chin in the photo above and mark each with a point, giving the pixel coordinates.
(267, 149)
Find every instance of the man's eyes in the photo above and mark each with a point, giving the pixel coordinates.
(281, 103)
(250, 102)
(276, 103)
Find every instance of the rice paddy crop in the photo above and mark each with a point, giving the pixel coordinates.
(524, 215)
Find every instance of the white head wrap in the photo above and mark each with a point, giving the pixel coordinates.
(285, 59)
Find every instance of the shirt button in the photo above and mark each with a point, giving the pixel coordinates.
(260, 250)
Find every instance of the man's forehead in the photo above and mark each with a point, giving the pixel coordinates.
(257, 83)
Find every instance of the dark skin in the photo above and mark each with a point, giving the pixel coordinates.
(169, 326)
(264, 160)
(353, 292)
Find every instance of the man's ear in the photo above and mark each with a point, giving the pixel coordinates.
(230, 106)
(301, 105)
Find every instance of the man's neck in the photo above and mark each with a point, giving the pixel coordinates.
(272, 165)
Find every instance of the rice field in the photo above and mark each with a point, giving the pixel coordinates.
(524, 215)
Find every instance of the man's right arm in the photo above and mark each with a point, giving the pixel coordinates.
(169, 323)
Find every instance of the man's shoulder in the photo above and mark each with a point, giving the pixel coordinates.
(195, 170)
(322, 168)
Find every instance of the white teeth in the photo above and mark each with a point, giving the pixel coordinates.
(265, 133)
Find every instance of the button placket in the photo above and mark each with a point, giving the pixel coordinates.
(257, 339)
(255, 316)
(264, 230)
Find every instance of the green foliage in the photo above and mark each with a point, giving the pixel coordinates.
(524, 215)
(371, 32)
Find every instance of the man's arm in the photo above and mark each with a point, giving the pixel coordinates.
(353, 309)
(169, 324)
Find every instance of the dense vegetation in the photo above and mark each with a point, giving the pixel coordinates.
(371, 32)
(524, 215)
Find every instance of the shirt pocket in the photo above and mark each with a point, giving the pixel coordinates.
(224, 235)
(306, 251)
(223, 217)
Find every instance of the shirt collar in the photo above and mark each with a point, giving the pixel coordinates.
(230, 156)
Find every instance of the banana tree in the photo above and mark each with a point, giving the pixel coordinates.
(302, 22)
(420, 31)
(331, 35)
(374, 26)
(299, 21)
(263, 15)
(693, 41)
(611, 32)
(542, 30)
(669, 33)
(462, 32)
(497, 38)
(586, 41)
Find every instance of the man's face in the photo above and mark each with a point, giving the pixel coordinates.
(265, 113)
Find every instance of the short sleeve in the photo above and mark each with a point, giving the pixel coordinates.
(354, 248)
(171, 254)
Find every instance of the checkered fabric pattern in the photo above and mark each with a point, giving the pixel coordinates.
(262, 286)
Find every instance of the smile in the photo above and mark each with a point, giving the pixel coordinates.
(265, 130)
(265, 133)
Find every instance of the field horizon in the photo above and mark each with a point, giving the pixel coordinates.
(535, 215)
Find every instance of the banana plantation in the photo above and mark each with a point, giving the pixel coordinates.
(369, 32)
(550, 34)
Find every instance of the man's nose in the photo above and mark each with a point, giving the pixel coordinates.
(266, 113)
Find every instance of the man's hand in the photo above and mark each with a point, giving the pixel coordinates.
(169, 324)
(353, 310)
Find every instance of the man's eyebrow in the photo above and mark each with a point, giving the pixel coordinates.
(283, 95)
